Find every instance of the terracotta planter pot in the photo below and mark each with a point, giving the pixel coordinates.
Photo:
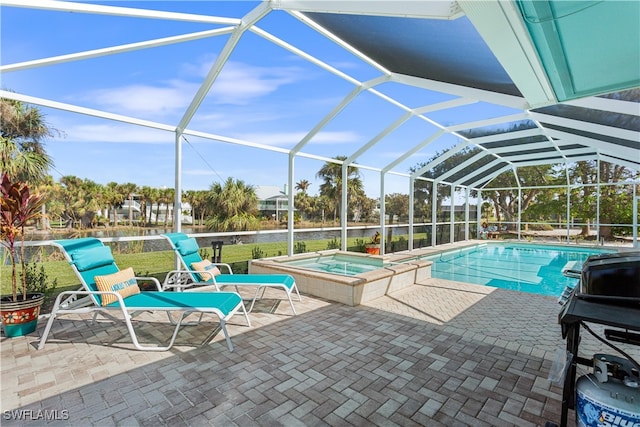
(373, 249)
(20, 317)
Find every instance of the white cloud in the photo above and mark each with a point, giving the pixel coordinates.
(145, 99)
(241, 83)
(114, 133)
(237, 84)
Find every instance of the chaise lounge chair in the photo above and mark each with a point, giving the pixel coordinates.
(116, 291)
(205, 275)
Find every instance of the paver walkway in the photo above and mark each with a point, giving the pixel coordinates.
(437, 354)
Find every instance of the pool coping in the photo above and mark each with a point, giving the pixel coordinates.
(403, 270)
(350, 290)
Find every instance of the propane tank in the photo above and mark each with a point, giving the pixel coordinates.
(610, 396)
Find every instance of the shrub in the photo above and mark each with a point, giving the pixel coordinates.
(37, 281)
(300, 248)
(256, 253)
(360, 245)
(333, 243)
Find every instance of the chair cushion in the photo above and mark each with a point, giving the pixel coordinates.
(209, 270)
(187, 246)
(92, 258)
(122, 282)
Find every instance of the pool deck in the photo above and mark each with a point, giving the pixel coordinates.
(438, 353)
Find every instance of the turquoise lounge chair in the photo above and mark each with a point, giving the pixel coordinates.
(93, 262)
(186, 248)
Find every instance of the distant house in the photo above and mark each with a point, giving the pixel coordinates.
(131, 208)
(273, 202)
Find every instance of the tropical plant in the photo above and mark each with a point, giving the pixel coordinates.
(235, 207)
(331, 188)
(303, 185)
(22, 129)
(199, 204)
(81, 199)
(36, 281)
(256, 253)
(300, 248)
(128, 190)
(615, 202)
(334, 243)
(18, 207)
(396, 204)
(166, 198)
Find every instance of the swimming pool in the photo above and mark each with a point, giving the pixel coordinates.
(339, 263)
(521, 267)
(345, 277)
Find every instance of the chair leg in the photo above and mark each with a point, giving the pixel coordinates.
(253, 301)
(173, 322)
(47, 328)
(246, 315)
(223, 326)
(291, 303)
(134, 336)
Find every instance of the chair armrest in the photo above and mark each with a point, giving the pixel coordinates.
(155, 281)
(222, 265)
(182, 279)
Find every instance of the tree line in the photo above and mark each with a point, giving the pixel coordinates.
(233, 205)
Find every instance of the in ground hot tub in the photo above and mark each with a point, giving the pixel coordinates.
(346, 277)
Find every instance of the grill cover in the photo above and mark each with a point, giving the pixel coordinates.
(612, 277)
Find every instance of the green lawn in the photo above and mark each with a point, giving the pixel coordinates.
(158, 263)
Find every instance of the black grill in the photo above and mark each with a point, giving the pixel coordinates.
(611, 278)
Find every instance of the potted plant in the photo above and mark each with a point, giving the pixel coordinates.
(20, 310)
(373, 247)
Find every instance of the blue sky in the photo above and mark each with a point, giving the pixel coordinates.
(265, 95)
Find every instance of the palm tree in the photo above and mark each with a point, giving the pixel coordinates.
(303, 185)
(235, 207)
(128, 190)
(199, 204)
(157, 197)
(22, 129)
(146, 200)
(331, 188)
(166, 197)
(113, 197)
(302, 202)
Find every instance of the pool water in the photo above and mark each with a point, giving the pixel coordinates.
(527, 268)
(339, 264)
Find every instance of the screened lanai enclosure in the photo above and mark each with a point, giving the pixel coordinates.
(488, 115)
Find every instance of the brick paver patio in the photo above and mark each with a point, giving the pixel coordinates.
(437, 354)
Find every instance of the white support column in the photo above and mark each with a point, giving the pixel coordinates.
(466, 213)
(412, 210)
(519, 224)
(452, 215)
(291, 207)
(566, 166)
(479, 213)
(568, 212)
(177, 203)
(598, 202)
(434, 212)
(382, 209)
(343, 207)
(635, 216)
